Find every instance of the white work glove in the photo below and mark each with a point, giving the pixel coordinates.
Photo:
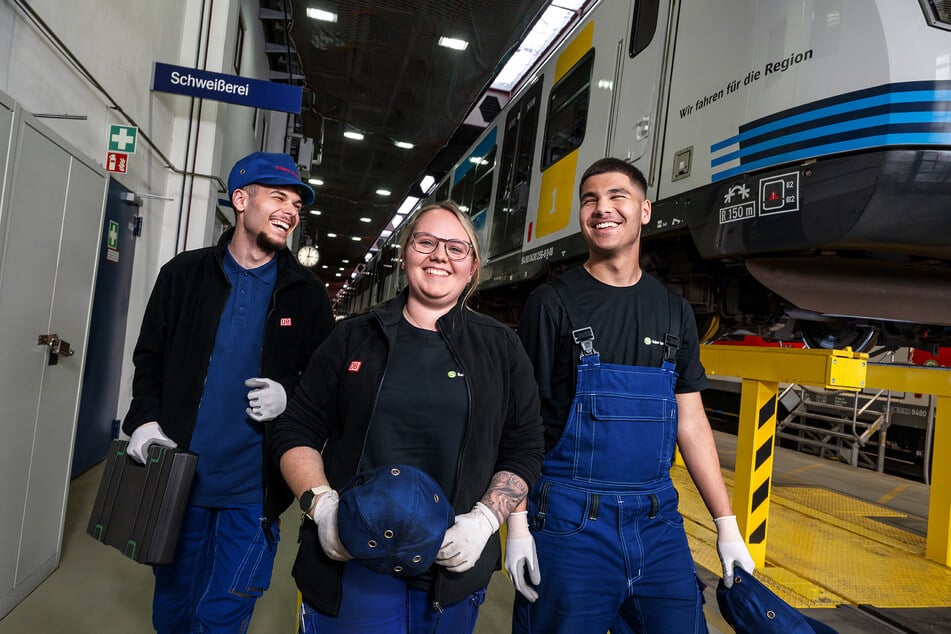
(267, 399)
(731, 548)
(464, 541)
(521, 560)
(145, 436)
(325, 516)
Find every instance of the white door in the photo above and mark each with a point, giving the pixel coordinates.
(50, 222)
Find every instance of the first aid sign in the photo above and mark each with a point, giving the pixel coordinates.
(122, 138)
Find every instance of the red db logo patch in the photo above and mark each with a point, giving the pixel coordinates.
(285, 321)
(354, 366)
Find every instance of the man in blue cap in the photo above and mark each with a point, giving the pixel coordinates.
(242, 314)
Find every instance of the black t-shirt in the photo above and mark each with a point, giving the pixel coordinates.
(421, 411)
(629, 326)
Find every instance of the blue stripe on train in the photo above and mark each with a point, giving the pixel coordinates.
(890, 114)
(876, 140)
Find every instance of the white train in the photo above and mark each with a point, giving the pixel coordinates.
(798, 155)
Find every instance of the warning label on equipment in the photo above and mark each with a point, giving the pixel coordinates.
(779, 194)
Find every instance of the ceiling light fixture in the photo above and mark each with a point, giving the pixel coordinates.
(323, 16)
(383, 192)
(549, 26)
(316, 212)
(331, 235)
(453, 43)
(404, 145)
(351, 134)
(407, 205)
(356, 238)
(426, 183)
(315, 181)
(366, 220)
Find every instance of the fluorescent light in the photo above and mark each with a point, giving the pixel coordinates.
(356, 136)
(383, 192)
(345, 262)
(323, 16)
(315, 181)
(571, 5)
(426, 184)
(552, 22)
(453, 43)
(407, 205)
(315, 212)
(366, 220)
(331, 235)
(368, 257)
(404, 144)
(324, 266)
(338, 275)
(356, 238)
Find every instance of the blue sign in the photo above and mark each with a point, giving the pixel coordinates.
(245, 91)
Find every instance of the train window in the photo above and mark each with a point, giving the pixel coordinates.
(644, 25)
(473, 191)
(568, 111)
(515, 175)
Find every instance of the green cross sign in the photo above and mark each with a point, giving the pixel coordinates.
(113, 239)
(122, 138)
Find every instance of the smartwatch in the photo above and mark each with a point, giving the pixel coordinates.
(307, 497)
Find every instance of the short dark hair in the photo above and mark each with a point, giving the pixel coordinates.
(607, 165)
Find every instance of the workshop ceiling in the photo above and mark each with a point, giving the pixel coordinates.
(379, 70)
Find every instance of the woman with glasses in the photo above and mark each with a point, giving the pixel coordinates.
(422, 380)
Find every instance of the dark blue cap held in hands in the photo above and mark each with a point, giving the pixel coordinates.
(752, 608)
(393, 519)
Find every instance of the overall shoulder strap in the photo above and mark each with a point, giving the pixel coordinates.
(581, 333)
(672, 338)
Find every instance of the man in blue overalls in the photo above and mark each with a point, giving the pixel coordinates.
(611, 548)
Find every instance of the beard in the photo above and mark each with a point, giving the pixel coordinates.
(268, 244)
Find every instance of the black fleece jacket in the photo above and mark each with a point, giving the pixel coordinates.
(335, 401)
(178, 336)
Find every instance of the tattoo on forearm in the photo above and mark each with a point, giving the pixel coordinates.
(505, 492)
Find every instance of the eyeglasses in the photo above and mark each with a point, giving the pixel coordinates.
(426, 243)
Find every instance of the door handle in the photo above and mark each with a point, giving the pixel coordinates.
(642, 128)
(57, 347)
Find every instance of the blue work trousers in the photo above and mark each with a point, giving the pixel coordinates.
(376, 603)
(222, 565)
(612, 560)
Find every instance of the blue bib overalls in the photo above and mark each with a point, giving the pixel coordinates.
(611, 544)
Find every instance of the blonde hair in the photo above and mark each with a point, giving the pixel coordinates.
(467, 226)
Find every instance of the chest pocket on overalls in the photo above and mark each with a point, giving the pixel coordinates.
(630, 433)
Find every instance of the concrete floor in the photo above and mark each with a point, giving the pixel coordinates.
(96, 589)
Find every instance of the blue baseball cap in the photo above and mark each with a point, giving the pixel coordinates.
(752, 608)
(269, 168)
(393, 519)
